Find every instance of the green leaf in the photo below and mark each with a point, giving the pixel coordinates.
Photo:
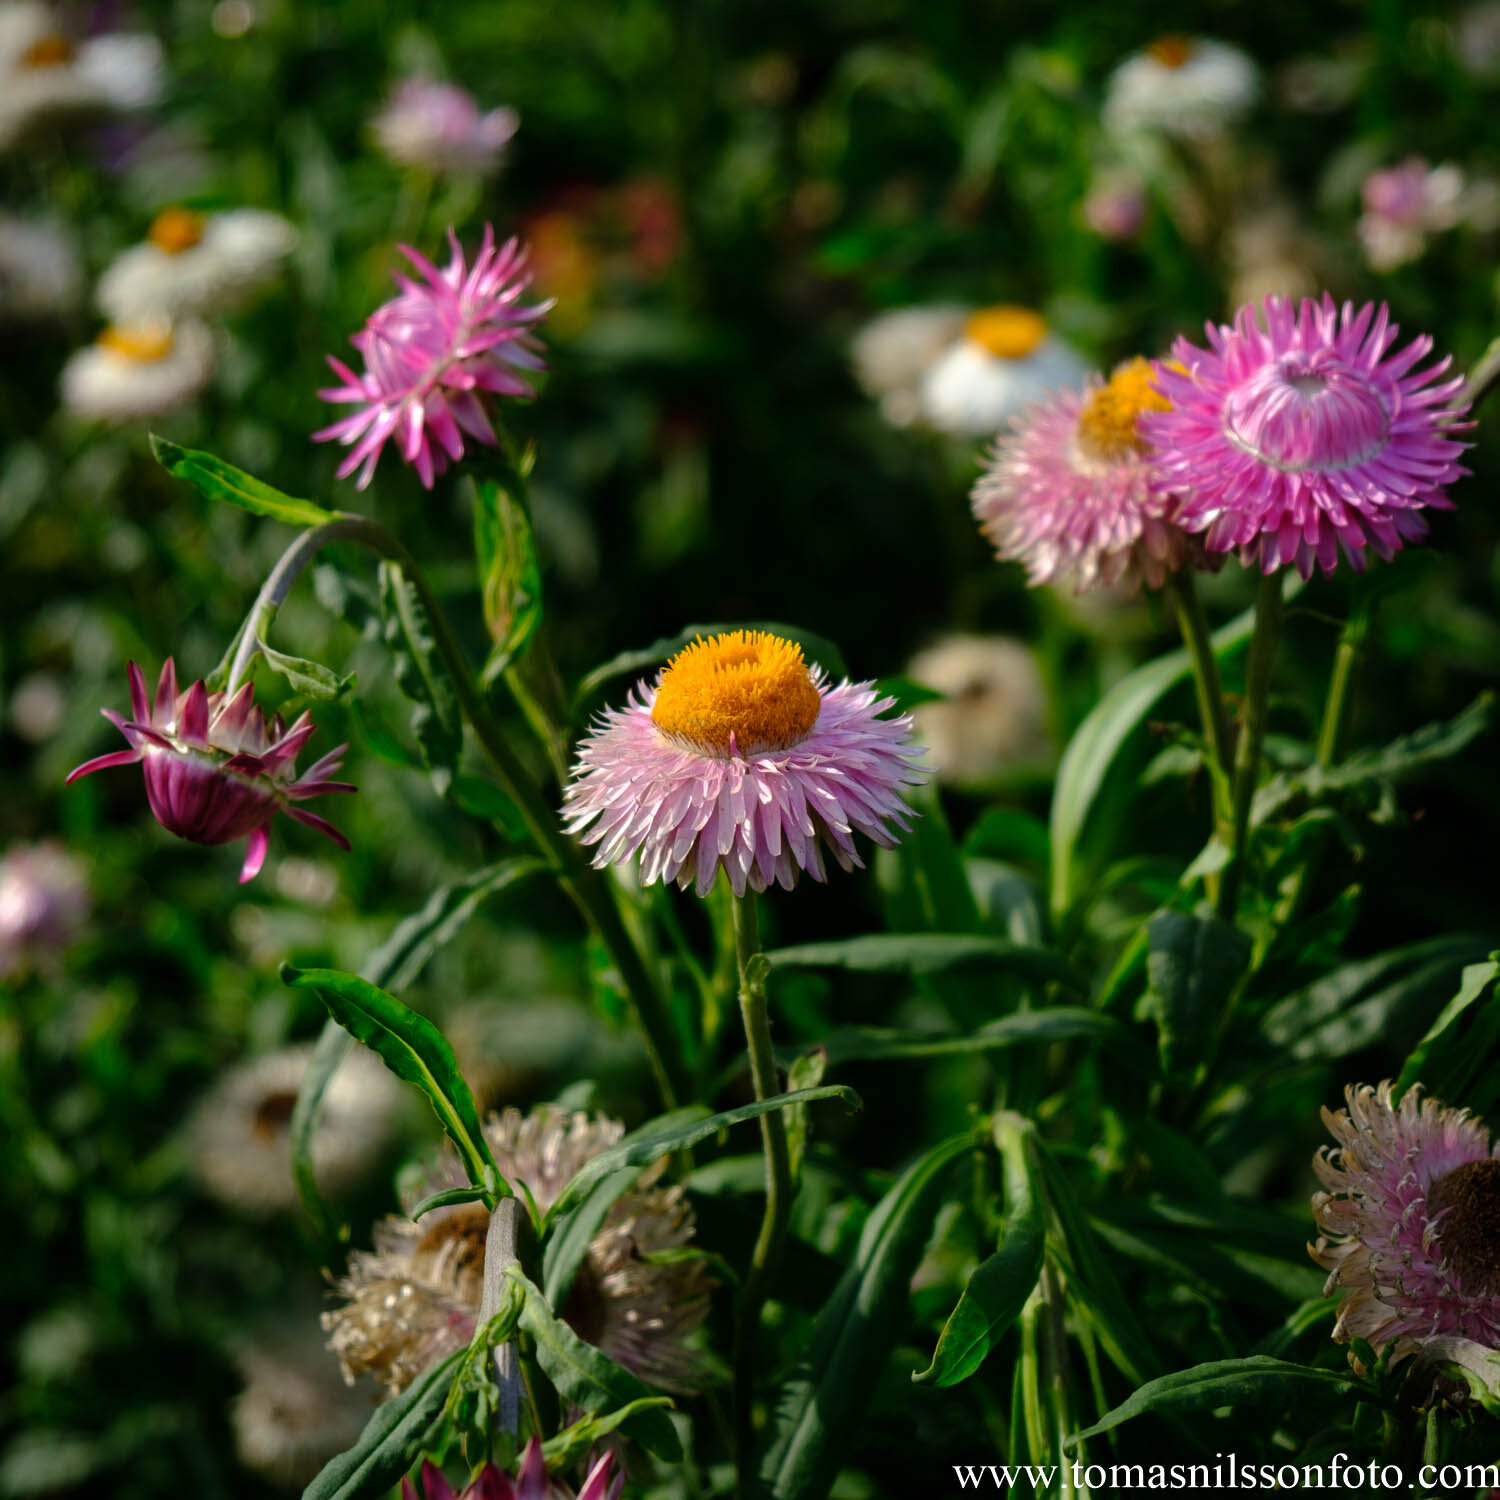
(1220, 1382)
(510, 577)
(1005, 833)
(1457, 1044)
(222, 481)
(448, 1198)
(413, 1049)
(332, 1048)
(393, 1439)
(1193, 964)
(571, 1235)
(1423, 747)
(572, 1444)
(1095, 753)
(805, 1072)
(678, 1131)
(422, 676)
(930, 953)
(996, 1292)
(310, 678)
(821, 1408)
(587, 1377)
(818, 650)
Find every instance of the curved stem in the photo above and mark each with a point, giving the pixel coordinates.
(581, 881)
(1268, 613)
(778, 1181)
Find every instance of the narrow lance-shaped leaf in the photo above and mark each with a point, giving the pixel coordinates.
(820, 1410)
(929, 953)
(510, 577)
(222, 481)
(1193, 964)
(422, 676)
(413, 1049)
(1461, 1040)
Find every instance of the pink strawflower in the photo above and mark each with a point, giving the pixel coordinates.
(1291, 443)
(430, 356)
(531, 1482)
(214, 771)
(740, 757)
(1413, 1210)
(1067, 491)
(44, 898)
(438, 127)
(1405, 204)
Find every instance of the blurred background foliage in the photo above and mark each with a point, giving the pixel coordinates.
(718, 196)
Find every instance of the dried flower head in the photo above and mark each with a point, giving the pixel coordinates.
(1293, 441)
(432, 354)
(215, 772)
(739, 757)
(1410, 1222)
(414, 1299)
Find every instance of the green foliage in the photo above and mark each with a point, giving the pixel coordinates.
(219, 480)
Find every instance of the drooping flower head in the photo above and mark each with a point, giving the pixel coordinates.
(44, 898)
(1309, 436)
(1006, 359)
(739, 757)
(215, 772)
(1188, 87)
(415, 1299)
(432, 354)
(1067, 491)
(531, 1482)
(138, 369)
(438, 127)
(1410, 1222)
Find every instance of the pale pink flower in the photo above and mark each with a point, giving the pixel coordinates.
(738, 757)
(1067, 491)
(531, 1482)
(1409, 1222)
(1292, 442)
(214, 771)
(1115, 206)
(44, 898)
(1405, 204)
(438, 127)
(432, 354)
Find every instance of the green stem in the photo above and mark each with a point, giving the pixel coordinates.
(584, 884)
(767, 1250)
(1268, 614)
(1346, 658)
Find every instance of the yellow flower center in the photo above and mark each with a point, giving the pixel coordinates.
(1007, 332)
(142, 343)
(737, 693)
(175, 230)
(1107, 424)
(1172, 50)
(50, 51)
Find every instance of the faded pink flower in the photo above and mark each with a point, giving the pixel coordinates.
(214, 771)
(1405, 204)
(531, 1482)
(1115, 206)
(738, 757)
(1293, 442)
(1409, 1222)
(430, 356)
(44, 898)
(438, 127)
(1067, 491)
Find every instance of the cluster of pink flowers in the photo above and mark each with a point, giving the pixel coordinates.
(1297, 434)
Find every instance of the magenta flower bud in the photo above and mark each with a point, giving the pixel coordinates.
(531, 1482)
(214, 771)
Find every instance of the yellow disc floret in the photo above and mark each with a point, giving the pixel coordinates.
(737, 693)
(175, 230)
(141, 343)
(1172, 50)
(1007, 332)
(50, 51)
(1107, 428)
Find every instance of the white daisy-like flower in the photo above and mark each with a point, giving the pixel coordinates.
(45, 74)
(40, 273)
(138, 370)
(191, 264)
(992, 716)
(894, 350)
(1006, 359)
(1189, 87)
(239, 1135)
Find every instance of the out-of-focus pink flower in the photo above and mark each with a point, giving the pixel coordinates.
(1407, 1219)
(1115, 207)
(652, 220)
(438, 127)
(739, 757)
(1404, 205)
(44, 897)
(1067, 491)
(430, 356)
(531, 1482)
(214, 771)
(1292, 442)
